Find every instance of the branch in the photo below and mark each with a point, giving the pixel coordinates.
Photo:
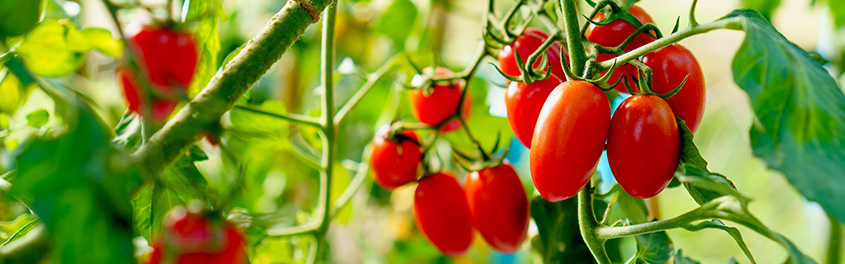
(228, 85)
(356, 98)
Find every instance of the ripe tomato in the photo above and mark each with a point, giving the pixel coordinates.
(441, 104)
(136, 98)
(527, 43)
(442, 213)
(670, 65)
(569, 138)
(524, 102)
(613, 34)
(395, 160)
(644, 145)
(499, 206)
(190, 238)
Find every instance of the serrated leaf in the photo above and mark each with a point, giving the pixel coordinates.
(397, 21)
(655, 248)
(800, 112)
(103, 41)
(38, 118)
(54, 49)
(689, 152)
(679, 258)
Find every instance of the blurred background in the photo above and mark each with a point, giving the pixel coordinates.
(378, 225)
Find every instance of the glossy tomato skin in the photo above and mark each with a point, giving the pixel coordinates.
(395, 161)
(527, 43)
(499, 207)
(524, 102)
(670, 65)
(568, 139)
(136, 98)
(643, 145)
(613, 34)
(441, 212)
(434, 108)
(191, 238)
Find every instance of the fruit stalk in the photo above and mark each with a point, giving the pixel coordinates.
(578, 57)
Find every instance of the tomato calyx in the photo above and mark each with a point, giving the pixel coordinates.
(485, 159)
(644, 82)
(601, 82)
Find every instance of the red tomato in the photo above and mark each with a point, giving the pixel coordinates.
(135, 97)
(524, 102)
(613, 34)
(670, 65)
(527, 43)
(441, 104)
(569, 138)
(442, 213)
(395, 160)
(499, 207)
(191, 238)
(644, 145)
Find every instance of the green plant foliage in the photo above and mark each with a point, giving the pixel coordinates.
(18, 17)
(679, 258)
(558, 238)
(799, 109)
(14, 92)
(765, 7)
(38, 118)
(396, 22)
(654, 248)
(54, 49)
(103, 41)
(207, 37)
(837, 9)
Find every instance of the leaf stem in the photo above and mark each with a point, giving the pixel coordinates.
(329, 137)
(295, 118)
(589, 226)
(577, 55)
(372, 79)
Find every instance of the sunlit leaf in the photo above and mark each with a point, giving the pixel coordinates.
(397, 22)
(103, 41)
(207, 36)
(655, 248)
(54, 48)
(18, 17)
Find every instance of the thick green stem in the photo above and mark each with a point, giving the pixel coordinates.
(589, 226)
(329, 128)
(577, 55)
(228, 85)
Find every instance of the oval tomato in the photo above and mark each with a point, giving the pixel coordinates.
(569, 139)
(644, 145)
(524, 102)
(441, 212)
(499, 207)
(441, 104)
(613, 34)
(527, 43)
(136, 98)
(670, 65)
(395, 160)
(191, 238)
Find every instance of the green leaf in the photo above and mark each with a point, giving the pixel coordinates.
(558, 238)
(38, 118)
(689, 152)
(765, 7)
(70, 183)
(655, 248)
(259, 128)
(681, 259)
(9, 230)
(397, 22)
(103, 41)
(54, 49)
(633, 208)
(207, 36)
(800, 112)
(732, 231)
(14, 92)
(837, 9)
(18, 17)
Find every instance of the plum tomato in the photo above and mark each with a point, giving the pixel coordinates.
(441, 212)
(499, 206)
(524, 102)
(670, 65)
(527, 43)
(441, 103)
(192, 238)
(395, 160)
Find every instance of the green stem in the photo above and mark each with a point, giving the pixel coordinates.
(834, 242)
(227, 86)
(729, 23)
(299, 119)
(329, 136)
(355, 183)
(372, 79)
(589, 226)
(577, 55)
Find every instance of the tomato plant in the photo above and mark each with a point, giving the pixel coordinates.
(442, 213)
(614, 34)
(191, 238)
(395, 159)
(568, 139)
(499, 206)
(526, 43)
(524, 102)
(441, 103)
(672, 66)
(643, 145)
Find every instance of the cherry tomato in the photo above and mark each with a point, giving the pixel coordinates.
(191, 238)
(670, 65)
(499, 207)
(442, 213)
(568, 139)
(527, 43)
(644, 145)
(441, 104)
(524, 102)
(136, 98)
(613, 34)
(395, 160)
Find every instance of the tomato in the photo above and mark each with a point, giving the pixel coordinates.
(527, 43)
(644, 145)
(524, 102)
(395, 160)
(441, 212)
(613, 34)
(499, 206)
(441, 104)
(168, 59)
(670, 65)
(568, 139)
(191, 238)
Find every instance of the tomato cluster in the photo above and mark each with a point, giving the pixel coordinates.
(569, 124)
(492, 201)
(167, 59)
(438, 103)
(195, 238)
